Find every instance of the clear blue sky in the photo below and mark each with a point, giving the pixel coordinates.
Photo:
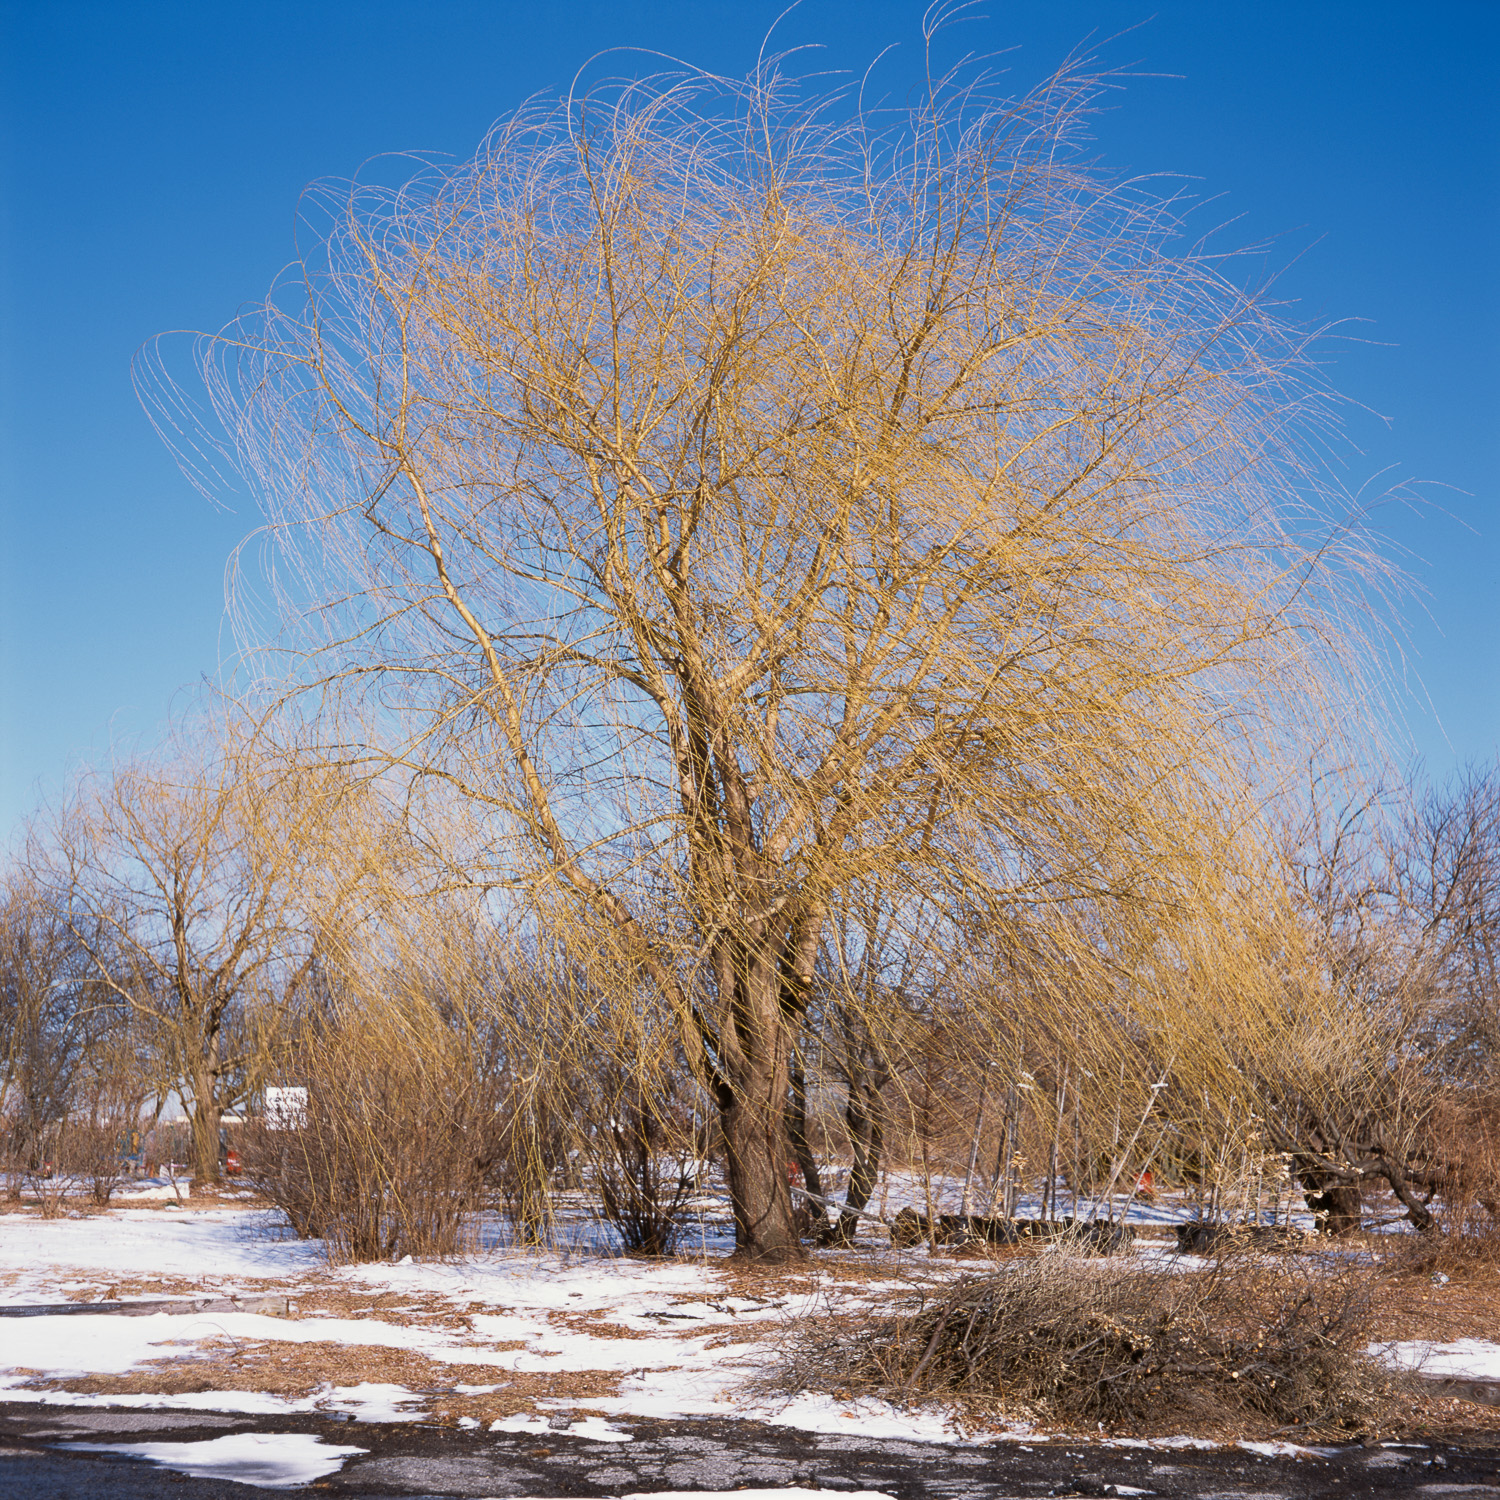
(153, 154)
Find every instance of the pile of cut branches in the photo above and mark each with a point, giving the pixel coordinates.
(1073, 1341)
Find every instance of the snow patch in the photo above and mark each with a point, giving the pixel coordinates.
(1286, 1450)
(790, 1492)
(1463, 1359)
(267, 1460)
(594, 1429)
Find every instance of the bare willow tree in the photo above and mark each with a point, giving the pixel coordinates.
(738, 498)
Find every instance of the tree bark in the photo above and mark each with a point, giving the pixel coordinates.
(1337, 1205)
(866, 1139)
(754, 1054)
(765, 1229)
(206, 1115)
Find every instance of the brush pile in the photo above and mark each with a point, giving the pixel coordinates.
(1078, 1342)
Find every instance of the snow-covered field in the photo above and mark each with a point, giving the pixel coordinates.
(670, 1338)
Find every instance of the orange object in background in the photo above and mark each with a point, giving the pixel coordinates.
(231, 1163)
(1145, 1185)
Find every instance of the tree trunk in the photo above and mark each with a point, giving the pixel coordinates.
(1050, 1196)
(206, 1115)
(1417, 1211)
(755, 1069)
(862, 1116)
(765, 1230)
(205, 1133)
(1004, 1178)
(1337, 1206)
(965, 1207)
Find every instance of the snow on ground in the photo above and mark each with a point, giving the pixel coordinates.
(268, 1460)
(682, 1342)
(680, 1335)
(1463, 1359)
(223, 1245)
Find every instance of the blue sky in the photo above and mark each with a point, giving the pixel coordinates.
(151, 155)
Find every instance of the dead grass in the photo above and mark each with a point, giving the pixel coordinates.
(297, 1371)
(1407, 1303)
(1414, 1416)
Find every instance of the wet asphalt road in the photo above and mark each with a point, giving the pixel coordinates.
(416, 1460)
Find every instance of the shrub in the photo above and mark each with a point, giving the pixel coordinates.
(89, 1153)
(1465, 1135)
(392, 1151)
(645, 1168)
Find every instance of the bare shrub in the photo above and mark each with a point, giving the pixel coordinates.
(1463, 1141)
(527, 1149)
(280, 1164)
(1464, 1244)
(391, 1154)
(1084, 1343)
(49, 1186)
(51, 1191)
(90, 1155)
(644, 1164)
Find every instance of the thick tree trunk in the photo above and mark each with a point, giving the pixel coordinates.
(756, 1151)
(756, 1056)
(206, 1115)
(205, 1133)
(1337, 1206)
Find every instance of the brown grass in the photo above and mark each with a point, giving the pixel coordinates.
(300, 1370)
(1400, 1303)
(1407, 1303)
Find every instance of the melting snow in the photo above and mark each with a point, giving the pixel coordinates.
(268, 1460)
(1463, 1359)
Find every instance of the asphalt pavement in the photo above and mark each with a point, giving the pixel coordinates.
(416, 1459)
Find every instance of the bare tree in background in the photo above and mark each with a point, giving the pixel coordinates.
(188, 879)
(737, 500)
(1445, 872)
(1401, 892)
(52, 1012)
